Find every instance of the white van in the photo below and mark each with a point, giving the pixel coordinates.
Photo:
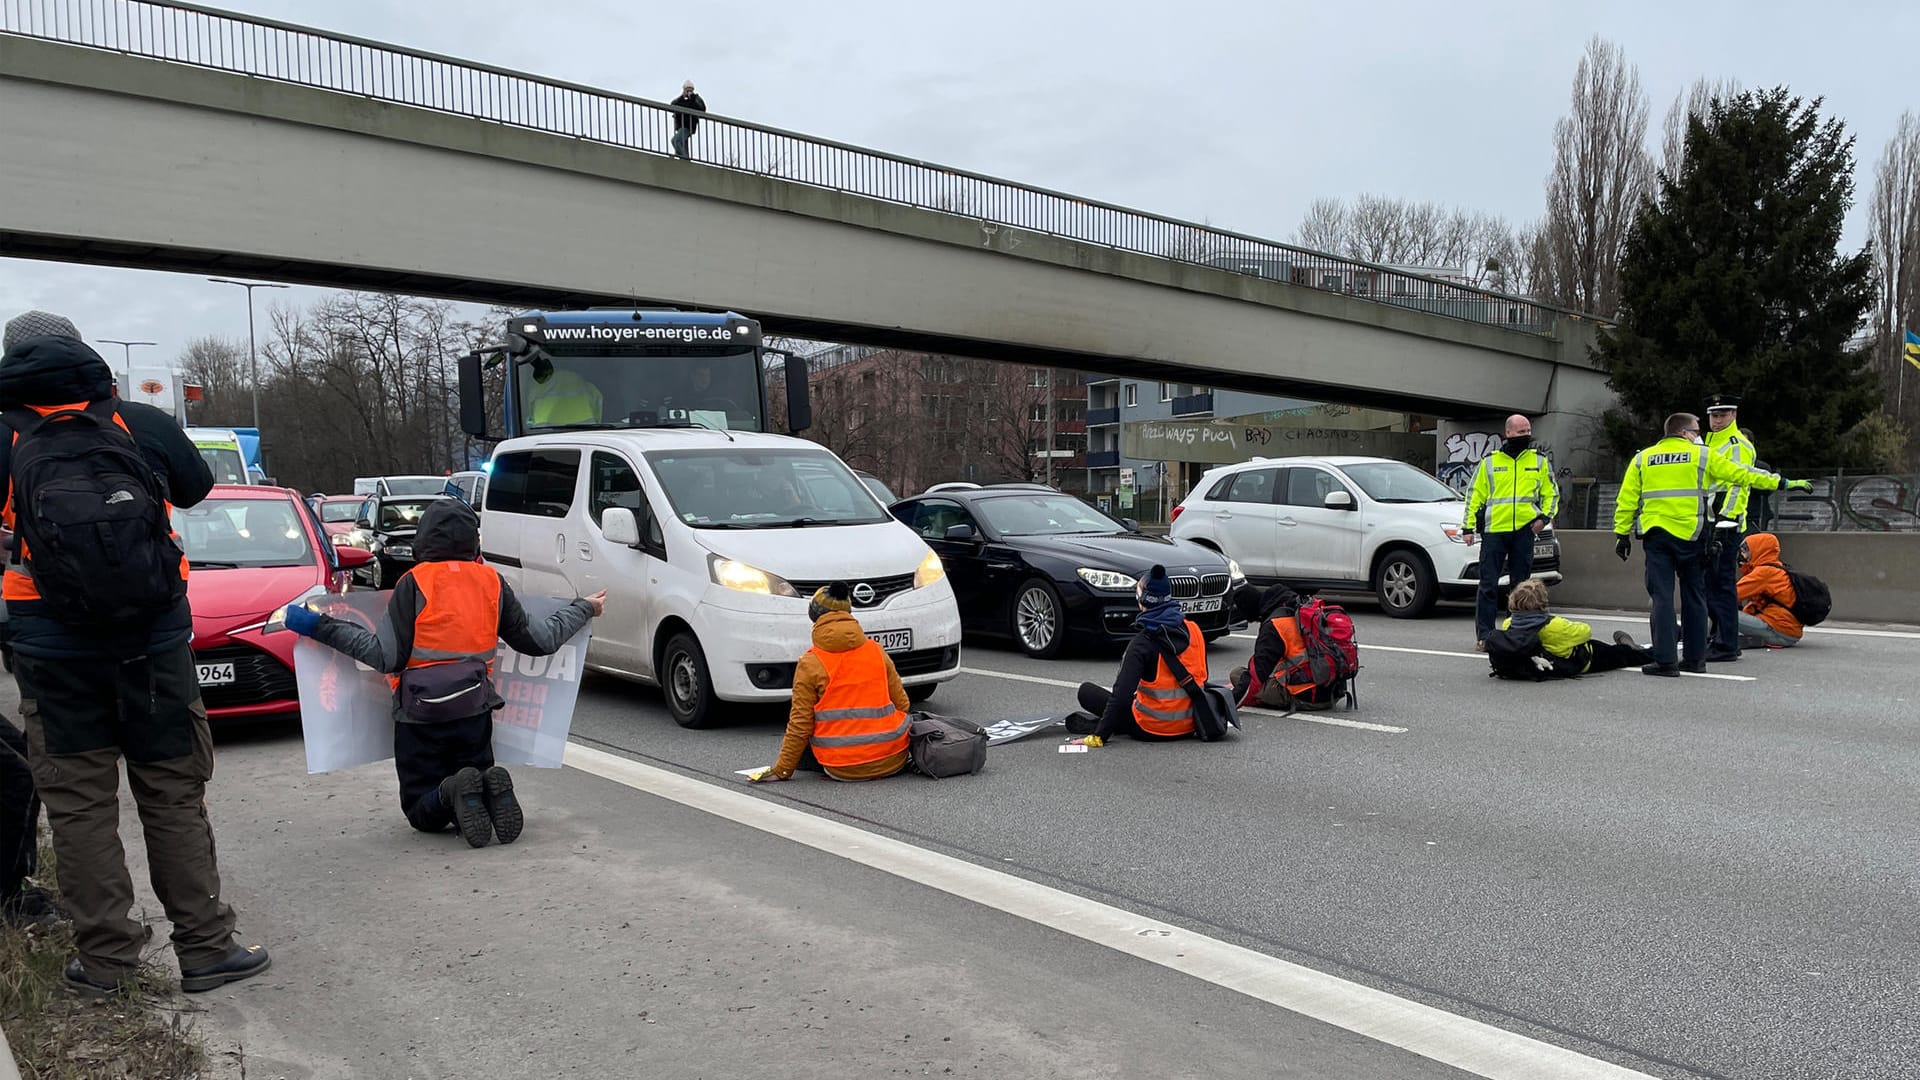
(709, 544)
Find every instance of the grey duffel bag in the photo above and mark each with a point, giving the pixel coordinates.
(940, 746)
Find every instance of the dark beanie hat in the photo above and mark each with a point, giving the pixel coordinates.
(1156, 587)
(834, 597)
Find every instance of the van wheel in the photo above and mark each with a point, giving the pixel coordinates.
(1406, 586)
(686, 682)
(1039, 620)
(918, 694)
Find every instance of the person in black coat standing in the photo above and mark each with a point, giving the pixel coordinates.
(685, 123)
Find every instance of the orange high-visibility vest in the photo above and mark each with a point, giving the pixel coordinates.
(459, 614)
(855, 721)
(1161, 705)
(1289, 630)
(17, 582)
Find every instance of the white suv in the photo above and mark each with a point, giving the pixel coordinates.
(1344, 524)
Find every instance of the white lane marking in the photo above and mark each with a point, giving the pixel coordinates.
(1907, 635)
(1330, 721)
(1482, 656)
(1473, 1046)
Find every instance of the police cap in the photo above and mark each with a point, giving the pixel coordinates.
(1723, 402)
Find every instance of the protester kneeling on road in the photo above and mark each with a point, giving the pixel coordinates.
(849, 709)
(436, 643)
(1274, 610)
(1567, 643)
(1147, 700)
(1766, 595)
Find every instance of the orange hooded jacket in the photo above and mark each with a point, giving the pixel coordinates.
(1764, 588)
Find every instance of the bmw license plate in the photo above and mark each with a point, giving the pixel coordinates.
(1201, 606)
(215, 674)
(1543, 551)
(893, 640)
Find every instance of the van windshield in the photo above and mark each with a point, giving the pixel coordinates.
(225, 463)
(754, 488)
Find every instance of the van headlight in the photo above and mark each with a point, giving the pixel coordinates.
(740, 577)
(931, 569)
(1108, 580)
(1233, 568)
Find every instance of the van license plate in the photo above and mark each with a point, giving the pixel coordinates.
(215, 674)
(1543, 551)
(893, 640)
(1201, 606)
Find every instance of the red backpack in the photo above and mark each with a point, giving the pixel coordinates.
(1331, 658)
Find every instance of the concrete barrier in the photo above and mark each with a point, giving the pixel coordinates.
(1874, 577)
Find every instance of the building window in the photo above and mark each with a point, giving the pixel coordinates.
(1133, 395)
(1037, 412)
(1166, 391)
(1037, 377)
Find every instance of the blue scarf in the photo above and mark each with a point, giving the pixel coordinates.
(1164, 615)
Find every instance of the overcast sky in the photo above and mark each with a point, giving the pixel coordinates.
(1239, 113)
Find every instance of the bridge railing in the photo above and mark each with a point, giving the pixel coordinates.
(207, 37)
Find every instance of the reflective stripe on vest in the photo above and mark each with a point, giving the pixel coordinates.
(16, 583)
(855, 721)
(1161, 706)
(1738, 448)
(1288, 628)
(459, 614)
(1520, 476)
(1681, 512)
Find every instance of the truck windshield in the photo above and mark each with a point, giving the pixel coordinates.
(416, 485)
(628, 388)
(225, 463)
(750, 488)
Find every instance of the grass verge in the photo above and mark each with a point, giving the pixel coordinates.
(138, 1034)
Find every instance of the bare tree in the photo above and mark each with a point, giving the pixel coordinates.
(1893, 227)
(1324, 227)
(1695, 104)
(1601, 172)
(220, 368)
(1483, 248)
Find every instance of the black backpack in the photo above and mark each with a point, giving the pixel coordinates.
(92, 517)
(1515, 654)
(1812, 603)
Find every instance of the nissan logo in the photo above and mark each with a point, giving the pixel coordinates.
(863, 593)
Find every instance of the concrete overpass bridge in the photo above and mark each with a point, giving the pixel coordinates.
(178, 137)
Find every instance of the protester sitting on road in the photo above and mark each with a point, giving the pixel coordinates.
(1272, 608)
(849, 711)
(1766, 595)
(1567, 640)
(1147, 700)
(436, 643)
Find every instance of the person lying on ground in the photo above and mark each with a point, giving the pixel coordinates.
(1766, 596)
(1567, 640)
(849, 711)
(1147, 700)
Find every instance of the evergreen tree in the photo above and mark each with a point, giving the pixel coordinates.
(1733, 281)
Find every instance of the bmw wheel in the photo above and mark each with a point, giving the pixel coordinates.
(1406, 585)
(686, 682)
(1039, 620)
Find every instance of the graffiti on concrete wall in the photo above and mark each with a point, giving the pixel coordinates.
(1461, 454)
(1868, 503)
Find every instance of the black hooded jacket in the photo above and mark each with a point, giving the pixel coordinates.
(449, 532)
(1268, 647)
(64, 371)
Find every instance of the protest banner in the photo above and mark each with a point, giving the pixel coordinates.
(346, 708)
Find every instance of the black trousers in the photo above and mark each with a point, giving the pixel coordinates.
(19, 812)
(1606, 656)
(1094, 699)
(425, 754)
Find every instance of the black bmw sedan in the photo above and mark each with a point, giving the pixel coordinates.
(1047, 570)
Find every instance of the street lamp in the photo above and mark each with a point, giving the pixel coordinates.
(253, 356)
(126, 351)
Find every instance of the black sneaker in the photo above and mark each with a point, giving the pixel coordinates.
(1665, 671)
(84, 984)
(1082, 723)
(244, 962)
(31, 906)
(1722, 657)
(502, 807)
(1698, 667)
(465, 796)
(1625, 640)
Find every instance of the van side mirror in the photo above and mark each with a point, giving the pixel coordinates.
(960, 532)
(619, 526)
(1130, 525)
(799, 399)
(1340, 500)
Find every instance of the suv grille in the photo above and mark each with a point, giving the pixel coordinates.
(883, 587)
(257, 678)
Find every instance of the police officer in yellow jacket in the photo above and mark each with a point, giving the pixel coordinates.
(1513, 497)
(1724, 437)
(1664, 498)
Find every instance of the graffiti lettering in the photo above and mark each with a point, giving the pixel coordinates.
(1874, 503)
(1258, 436)
(1464, 451)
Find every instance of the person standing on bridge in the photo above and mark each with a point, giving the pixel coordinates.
(1512, 498)
(96, 596)
(1724, 437)
(685, 123)
(1664, 498)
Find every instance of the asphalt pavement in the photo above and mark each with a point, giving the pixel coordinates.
(1692, 877)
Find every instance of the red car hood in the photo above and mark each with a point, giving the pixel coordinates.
(228, 598)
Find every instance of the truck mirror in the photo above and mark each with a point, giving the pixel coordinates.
(799, 401)
(473, 397)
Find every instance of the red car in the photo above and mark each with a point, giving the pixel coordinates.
(253, 549)
(338, 514)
